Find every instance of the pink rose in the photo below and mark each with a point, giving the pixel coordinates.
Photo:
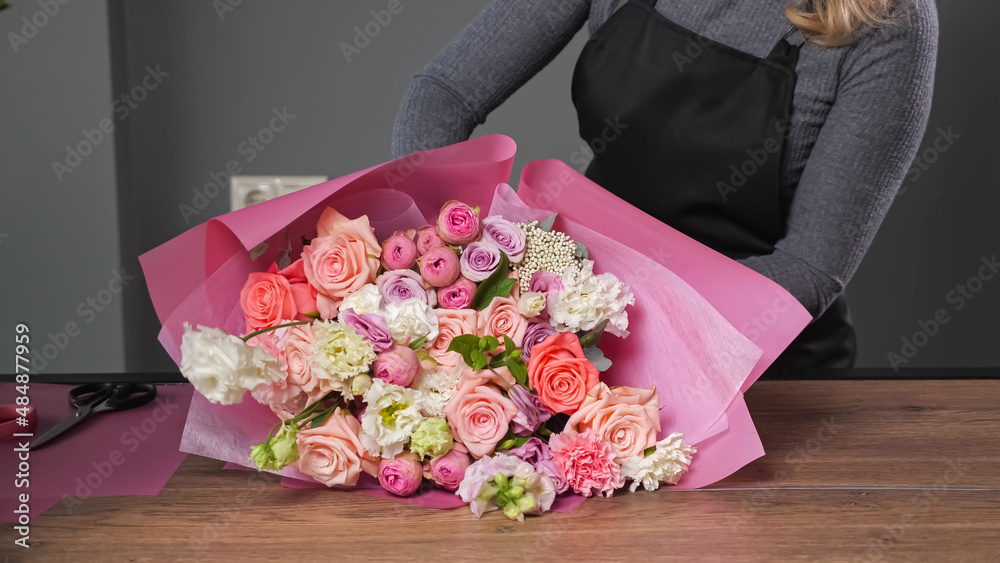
(625, 417)
(266, 299)
(303, 292)
(458, 223)
(298, 363)
(398, 365)
(427, 238)
(333, 454)
(500, 318)
(338, 262)
(399, 252)
(458, 294)
(401, 476)
(449, 469)
(451, 323)
(479, 415)
(284, 396)
(440, 266)
(587, 462)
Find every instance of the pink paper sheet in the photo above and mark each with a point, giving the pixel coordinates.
(131, 452)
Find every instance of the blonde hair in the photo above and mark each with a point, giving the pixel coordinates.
(833, 23)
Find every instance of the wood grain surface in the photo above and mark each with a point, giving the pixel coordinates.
(854, 471)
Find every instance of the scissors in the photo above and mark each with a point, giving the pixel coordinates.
(96, 398)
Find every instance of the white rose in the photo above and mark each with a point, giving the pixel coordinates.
(392, 414)
(531, 304)
(365, 301)
(222, 367)
(410, 320)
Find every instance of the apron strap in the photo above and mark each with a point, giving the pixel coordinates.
(786, 50)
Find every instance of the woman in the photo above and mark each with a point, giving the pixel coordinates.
(776, 134)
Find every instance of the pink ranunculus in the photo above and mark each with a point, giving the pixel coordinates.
(587, 462)
(266, 299)
(479, 415)
(458, 223)
(479, 260)
(397, 286)
(500, 318)
(398, 365)
(440, 266)
(451, 323)
(303, 293)
(449, 469)
(333, 453)
(427, 238)
(458, 294)
(625, 418)
(399, 252)
(401, 476)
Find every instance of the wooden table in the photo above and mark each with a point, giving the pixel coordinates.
(854, 471)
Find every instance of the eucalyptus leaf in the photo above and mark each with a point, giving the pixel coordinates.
(548, 223)
(581, 251)
(596, 357)
(593, 336)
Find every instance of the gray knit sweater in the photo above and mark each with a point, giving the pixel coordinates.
(859, 113)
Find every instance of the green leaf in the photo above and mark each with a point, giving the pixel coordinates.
(319, 420)
(581, 251)
(519, 370)
(489, 343)
(418, 343)
(464, 344)
(479, 359)
(312, 314)
(593, 336)
(425, 356)
(549, 221)
(596, 357)
(508, 346)
(3, 5)
(520, 441)
(498, 284)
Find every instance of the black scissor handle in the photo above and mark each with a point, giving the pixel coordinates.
(130, 396)
(90, 394)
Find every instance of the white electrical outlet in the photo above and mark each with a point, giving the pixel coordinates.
(245, 191)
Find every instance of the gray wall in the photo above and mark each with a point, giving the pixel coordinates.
(227, 74)
(59, 242)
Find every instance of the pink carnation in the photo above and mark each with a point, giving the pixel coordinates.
(587, 462)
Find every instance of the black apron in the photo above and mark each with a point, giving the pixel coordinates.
(693, 132)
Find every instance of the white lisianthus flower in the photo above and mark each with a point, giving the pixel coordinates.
(436, 388)
(365, 301)
(668, 462)
(531, 304)
(586, 300)
(339, 353)
(410, 320)
(392, 414)
(222, 367)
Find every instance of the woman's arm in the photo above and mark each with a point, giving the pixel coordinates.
(862, 154)
(507, 44)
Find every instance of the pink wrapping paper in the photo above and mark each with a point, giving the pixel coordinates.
(689, 298)
(131, 452)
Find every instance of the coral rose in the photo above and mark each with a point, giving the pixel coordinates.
(560, 373)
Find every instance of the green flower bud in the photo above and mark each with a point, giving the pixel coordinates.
(432, 438)
(527, 503)
(284, 448)
(512, 511)
(261, 455)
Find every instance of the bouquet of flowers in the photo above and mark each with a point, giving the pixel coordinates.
(417, 336)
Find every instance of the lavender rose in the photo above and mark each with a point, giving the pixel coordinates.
(533, 451)
(506, 235)
(530, 412)
(370, 326)
(397, 286)
(479, 260)
(536, 332)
